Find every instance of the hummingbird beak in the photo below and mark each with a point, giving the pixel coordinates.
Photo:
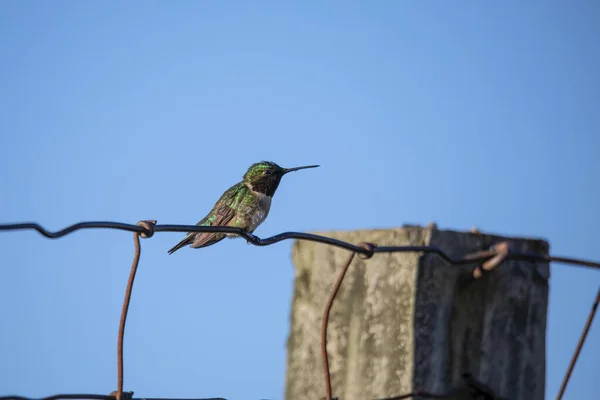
(286, 170)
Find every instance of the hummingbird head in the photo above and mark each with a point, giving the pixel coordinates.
(264, 176)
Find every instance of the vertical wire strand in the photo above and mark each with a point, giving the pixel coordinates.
(368, 247)
(325, 322)
(586, 329)
(134, 266)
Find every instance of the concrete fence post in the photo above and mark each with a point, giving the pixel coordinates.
(405, 322)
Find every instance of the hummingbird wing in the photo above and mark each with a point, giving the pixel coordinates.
(223, 212)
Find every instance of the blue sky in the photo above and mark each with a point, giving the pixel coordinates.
(465, 114)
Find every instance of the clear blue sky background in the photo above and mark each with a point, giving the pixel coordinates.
(455, 112)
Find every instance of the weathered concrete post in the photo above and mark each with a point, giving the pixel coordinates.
(406, 322)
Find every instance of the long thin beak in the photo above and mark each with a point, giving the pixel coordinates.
(286, 170)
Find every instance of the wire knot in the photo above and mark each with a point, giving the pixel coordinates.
(498, 253)
(369, 248)
(148, 226)
(124, 395)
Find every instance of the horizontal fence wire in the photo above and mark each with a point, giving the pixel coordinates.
(148, 230)
(489, 259)
(471, 390)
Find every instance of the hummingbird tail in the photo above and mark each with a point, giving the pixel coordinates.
(207, 239)
(188, 239)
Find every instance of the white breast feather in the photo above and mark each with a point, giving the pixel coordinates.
(263, 210)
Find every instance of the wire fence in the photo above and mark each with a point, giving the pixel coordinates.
(485, 260)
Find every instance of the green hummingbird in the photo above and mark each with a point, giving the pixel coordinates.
(244, 205)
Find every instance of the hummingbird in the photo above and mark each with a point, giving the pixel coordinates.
(244, 205)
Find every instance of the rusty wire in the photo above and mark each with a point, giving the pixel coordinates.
(136, 260)
(584, 333)
(490, 259)
(325, 322)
